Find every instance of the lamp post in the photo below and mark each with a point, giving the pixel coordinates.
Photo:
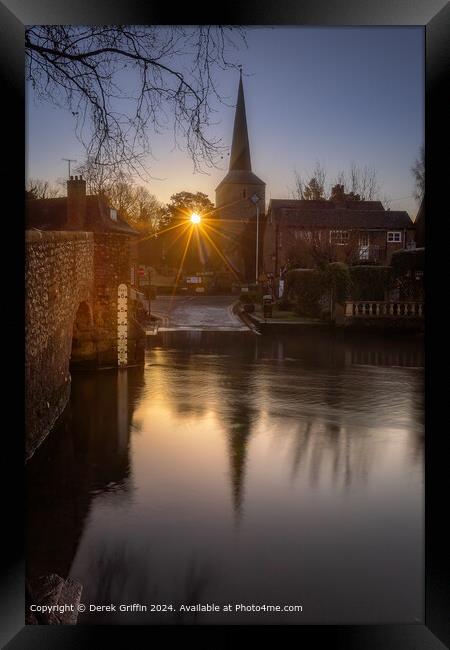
(149, 291)
(255, 200)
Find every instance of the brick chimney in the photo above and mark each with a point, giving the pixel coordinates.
(76, 203)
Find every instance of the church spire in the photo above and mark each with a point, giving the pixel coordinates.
(240, 148)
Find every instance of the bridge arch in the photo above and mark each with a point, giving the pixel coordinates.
(84, 349)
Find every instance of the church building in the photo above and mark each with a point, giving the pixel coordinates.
(239, 197)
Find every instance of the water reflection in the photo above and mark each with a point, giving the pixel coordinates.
(86, 454)
(235, 468)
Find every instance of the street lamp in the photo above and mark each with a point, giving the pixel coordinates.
(149, 292)
(255, 200)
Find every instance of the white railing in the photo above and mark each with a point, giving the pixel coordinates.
(381, 309)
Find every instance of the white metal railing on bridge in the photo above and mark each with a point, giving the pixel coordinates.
(381, 309)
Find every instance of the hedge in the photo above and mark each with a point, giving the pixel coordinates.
(369, 282)
(337, 279)
(250, 297)
(408, 260)
(305, 287)
(308, 286)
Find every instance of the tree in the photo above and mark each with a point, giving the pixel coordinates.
(135, 203)
(311, 250)
(183, 204)
(354, 184)
(418, 171)
(338, 194)
(314, 189)
(360, 182)
(149, 214)
(198, 255)
(36, 188)
(122, 82)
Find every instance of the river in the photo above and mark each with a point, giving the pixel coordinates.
(240, 469)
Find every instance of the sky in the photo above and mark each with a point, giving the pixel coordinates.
(328, 95)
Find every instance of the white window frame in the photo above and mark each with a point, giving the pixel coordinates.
(363, 252)
(308, 236)
(341, 237)
(364, 239)
(394, 236)
(363, 242)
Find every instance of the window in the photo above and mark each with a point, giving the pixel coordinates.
(363, 252)
(244, 193)
(363, 238)
(394, 236)
(306, 235)
(113, 214)
(363, 245)
(339, 237)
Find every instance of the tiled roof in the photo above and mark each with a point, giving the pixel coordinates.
(241, 176)
(324, 214)
(323, 204)
(51, 214)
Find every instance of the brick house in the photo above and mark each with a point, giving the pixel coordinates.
(76, 211)
(80, 240)
(348, 231)
(79, 211)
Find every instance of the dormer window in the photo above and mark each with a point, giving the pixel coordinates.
(113, 214)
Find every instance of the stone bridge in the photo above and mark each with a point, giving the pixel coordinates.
(72, 280)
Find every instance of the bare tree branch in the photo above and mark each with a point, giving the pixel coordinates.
(418, 171)
(357, 183)
(36, 188)
(313, 189)
(122, 83)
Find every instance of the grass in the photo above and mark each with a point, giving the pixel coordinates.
(278, 314)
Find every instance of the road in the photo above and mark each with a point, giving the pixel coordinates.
(197, 313)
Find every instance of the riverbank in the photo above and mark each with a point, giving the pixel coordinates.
(281, 321)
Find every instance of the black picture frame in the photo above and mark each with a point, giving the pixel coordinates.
(434, 16)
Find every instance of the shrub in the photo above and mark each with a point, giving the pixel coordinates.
(306, 287)
(407, 260)
(336, 277)
(370, 282)
(284, 304)
(250, 297)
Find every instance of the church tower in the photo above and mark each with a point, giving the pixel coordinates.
(236, 198)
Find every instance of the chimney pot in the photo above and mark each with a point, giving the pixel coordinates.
(76, 203)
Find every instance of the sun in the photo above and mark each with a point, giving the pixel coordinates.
(195, 218)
